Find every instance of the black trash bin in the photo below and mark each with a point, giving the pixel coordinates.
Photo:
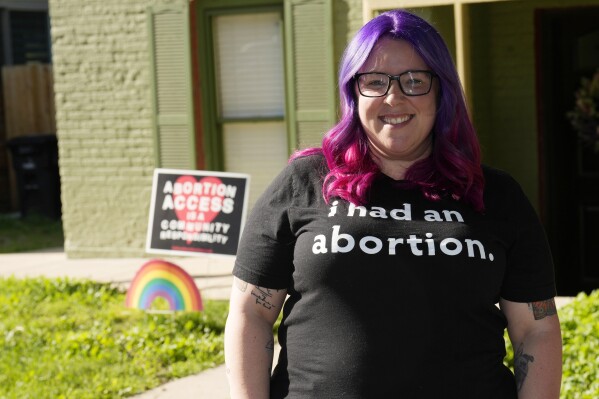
(35, 161)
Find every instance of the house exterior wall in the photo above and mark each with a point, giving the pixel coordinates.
(103, 115)
(504, 87)
(348, 20)
(103, 96)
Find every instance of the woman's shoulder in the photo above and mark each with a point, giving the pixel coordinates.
(498, 177)
(502, 189)
(308, 156)
(306, 172)
(309, 162)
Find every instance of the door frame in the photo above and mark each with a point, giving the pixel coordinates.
(556, 82)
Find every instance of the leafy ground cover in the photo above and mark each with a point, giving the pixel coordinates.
(30, 233)
(580, 334)
(62, 338)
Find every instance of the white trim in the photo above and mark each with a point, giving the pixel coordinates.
(195, 172)
(369, 6)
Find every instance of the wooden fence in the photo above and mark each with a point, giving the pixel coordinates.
(28, 100)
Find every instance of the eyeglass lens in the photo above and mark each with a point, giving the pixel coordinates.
(412, 83)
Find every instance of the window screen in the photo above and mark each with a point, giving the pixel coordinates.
(249, 65)
(250, 86)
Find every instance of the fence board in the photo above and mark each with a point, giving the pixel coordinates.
(28, 100)
(28, 93)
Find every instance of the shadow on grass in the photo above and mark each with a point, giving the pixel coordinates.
(30, 233)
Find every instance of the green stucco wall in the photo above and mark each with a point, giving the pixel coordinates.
(347, 21)
(504, 87)
(103, 115)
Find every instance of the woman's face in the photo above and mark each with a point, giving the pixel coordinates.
(398, 127)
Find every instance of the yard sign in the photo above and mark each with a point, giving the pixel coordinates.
(196, 212)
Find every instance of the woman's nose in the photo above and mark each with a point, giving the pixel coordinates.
(394, 95)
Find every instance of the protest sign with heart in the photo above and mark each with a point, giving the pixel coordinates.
(195, 208)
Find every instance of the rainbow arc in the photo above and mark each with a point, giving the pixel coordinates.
(162, 279)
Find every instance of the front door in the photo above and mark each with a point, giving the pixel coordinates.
(567, 50)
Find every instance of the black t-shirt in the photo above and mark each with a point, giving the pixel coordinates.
(397, 298)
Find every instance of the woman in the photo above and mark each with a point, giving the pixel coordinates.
(389, 248)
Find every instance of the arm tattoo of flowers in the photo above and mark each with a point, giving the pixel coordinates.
(521, 361)
(541, 309)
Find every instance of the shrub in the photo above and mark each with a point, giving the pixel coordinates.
(580, 336)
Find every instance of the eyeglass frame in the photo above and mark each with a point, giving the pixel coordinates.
(395, 77)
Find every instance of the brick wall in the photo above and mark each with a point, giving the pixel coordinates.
(103, 115)
(104, 120)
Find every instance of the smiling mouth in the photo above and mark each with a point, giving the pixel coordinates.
(396, 120)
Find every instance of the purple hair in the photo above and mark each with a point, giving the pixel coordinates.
(453, 168)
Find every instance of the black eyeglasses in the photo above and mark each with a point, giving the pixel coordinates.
(411, 83)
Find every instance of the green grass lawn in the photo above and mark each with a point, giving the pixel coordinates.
(30, 233)
(63, 338)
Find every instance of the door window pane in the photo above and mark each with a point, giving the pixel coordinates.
(259, 149)
(249, 65)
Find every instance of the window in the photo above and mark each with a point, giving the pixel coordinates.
(250, 90)
(26, 37)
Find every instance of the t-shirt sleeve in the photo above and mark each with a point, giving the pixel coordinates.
(265, 252)
(530, 273)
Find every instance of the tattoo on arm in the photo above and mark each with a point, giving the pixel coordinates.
(263, 296)
(270, 346)
(541, 309)
(521, 361)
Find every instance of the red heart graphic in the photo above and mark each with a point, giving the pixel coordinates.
(196, 203)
